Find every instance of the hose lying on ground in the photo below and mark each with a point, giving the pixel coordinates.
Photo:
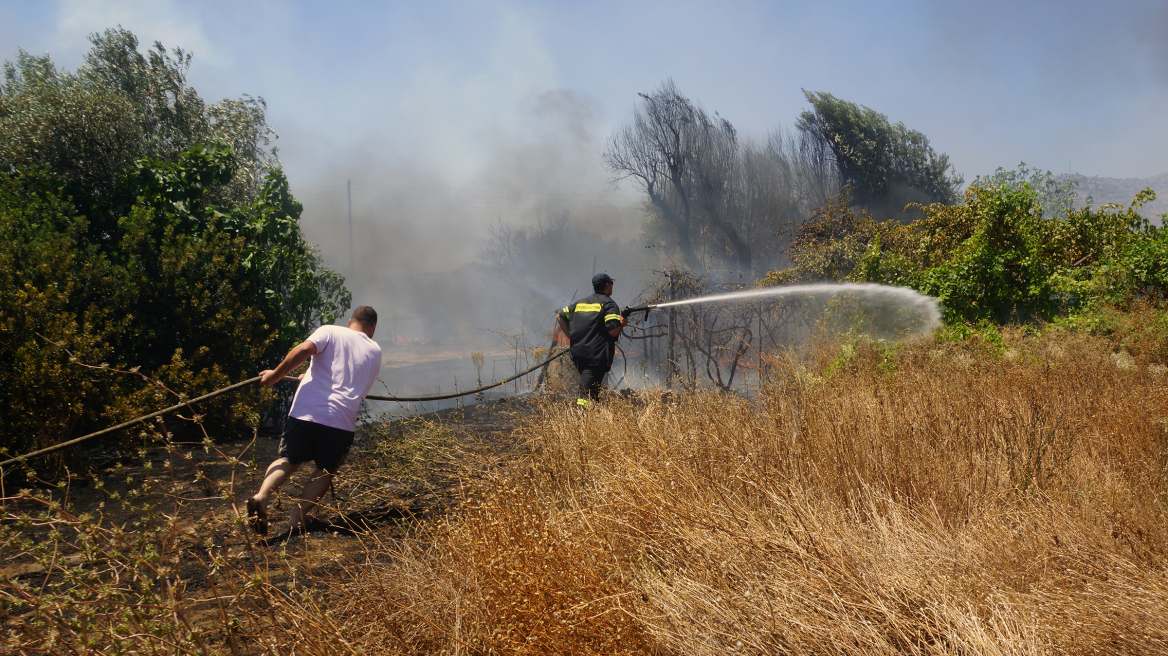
(173, 408)
(439, 397)
(249, 381)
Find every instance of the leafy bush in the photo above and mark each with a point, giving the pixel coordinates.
(829, 244)
(997, 273)
(1011, 252)
(50, 284)
(196, 295)
(142, 230)
(121, 106)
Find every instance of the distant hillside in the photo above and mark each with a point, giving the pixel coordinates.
(1120, 191)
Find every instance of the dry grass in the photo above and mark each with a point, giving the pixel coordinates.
(933, 499)
(153, 557)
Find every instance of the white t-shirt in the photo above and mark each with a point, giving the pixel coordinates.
(341, 373)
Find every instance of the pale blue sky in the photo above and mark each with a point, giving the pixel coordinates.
(448, 99)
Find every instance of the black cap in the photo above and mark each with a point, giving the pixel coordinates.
(600, 280)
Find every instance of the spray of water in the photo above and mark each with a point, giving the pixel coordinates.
(893, 298)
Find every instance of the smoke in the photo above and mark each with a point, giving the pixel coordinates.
(419, 233)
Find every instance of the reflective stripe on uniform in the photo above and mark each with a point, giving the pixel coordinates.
(611, 317)
(587, 307)
(583, 402)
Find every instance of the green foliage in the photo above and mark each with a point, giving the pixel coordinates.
(1002, 256)
(50, 293)
(986, 333)
(887, 164)
(1057, 199)
(87, 135)
(1140, 268)
(828, 245)
(998, 273)
(840, 243)
(181, 185)
(122, 106)
(142, 230)
(196, 295)
(860, 348)
(1112, 256)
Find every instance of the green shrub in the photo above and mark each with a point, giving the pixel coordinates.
(998, 273)
(1000, 257)
(196, 296)
(143, 230)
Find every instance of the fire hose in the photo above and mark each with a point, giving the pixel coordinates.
(249, 381)
(439, 397)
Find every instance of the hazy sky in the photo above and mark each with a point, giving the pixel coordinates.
(488, 104)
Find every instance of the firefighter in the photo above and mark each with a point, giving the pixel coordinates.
(593, 325)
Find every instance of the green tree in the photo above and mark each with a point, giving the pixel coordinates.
(142, 229)
(192, 294)
(51, 284)
(121, 106)
(887, 165)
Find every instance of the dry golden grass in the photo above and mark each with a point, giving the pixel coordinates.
(936, 498)
(929, 498)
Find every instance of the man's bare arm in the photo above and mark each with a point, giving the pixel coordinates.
(616, 331)
(294, 358)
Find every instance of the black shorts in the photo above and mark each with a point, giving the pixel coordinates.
(307, 440)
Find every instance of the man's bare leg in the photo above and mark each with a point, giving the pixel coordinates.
(257, 505)
(321, 480)
(277, 473)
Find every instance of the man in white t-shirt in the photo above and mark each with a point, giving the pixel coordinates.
(320, 425)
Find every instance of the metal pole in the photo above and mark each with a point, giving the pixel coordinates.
(669, 343)
(349, 193)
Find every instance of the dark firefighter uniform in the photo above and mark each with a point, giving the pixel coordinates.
(593, 349)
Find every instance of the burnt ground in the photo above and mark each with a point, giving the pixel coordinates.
(400, 473)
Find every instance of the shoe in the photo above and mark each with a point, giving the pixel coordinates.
(257, 518)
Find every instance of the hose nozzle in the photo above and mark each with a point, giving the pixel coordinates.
(638, 308)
